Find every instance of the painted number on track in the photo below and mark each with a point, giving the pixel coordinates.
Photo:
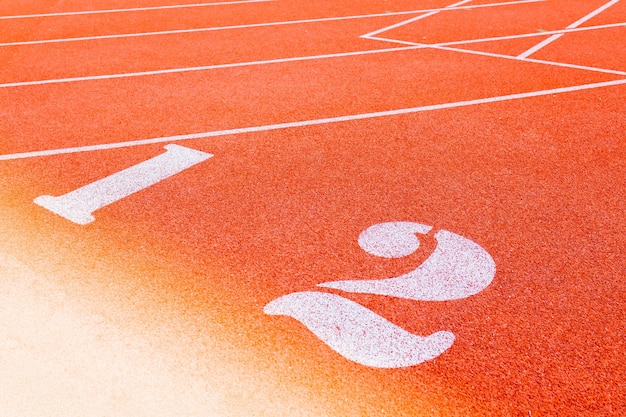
(457, 268)
(78, 205)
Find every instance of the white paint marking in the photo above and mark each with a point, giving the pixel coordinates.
(313, 122)
(357, 333)
(133, 9)
(414, 19)
(392, 239)
(378, 38)
(203, 68)
(457, 268)
(579, 22)
(257, 25)
(78, 205)
(532, 60)
(494, 55)
(411, 46)
(530, 35)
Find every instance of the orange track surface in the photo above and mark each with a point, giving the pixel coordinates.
(156, 308)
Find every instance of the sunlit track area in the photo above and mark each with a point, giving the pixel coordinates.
(312, 208)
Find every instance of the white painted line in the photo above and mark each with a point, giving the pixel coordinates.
(203, 68)
(536, 61)
(313, 122)
(378, 38)
(77, 206)
(410, 46)
(133, 9)
(257, 25)
(573, 66)
(579, 22)
(442, 47)
(414, 19)
(212, 29)
(530, 35)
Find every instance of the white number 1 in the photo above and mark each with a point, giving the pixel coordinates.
(78, 205)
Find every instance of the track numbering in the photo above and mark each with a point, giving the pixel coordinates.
(458, 268)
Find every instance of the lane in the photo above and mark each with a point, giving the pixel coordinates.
(576, 24)
(614, 14)
(30, 7)
(41, 61)
(502, 44)
(502, 21)
(8, 7)
(127, 9)
(311, 122)
(119, 56)
(279, 212)
(16, 30)
(54, 116)
(604, 48)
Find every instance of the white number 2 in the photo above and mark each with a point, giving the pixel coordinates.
(456, 269)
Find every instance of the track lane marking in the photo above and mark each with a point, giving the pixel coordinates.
(312, 122)
(132, 9)
(444, 47)
(409, 46)
(256, 25)
(413, 19)
(530, 35)
(579, 22)
(204, 68)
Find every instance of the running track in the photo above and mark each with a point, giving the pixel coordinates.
(502, 122)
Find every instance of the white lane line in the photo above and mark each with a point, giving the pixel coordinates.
(204, 68)
(380, 38)
(211, 29)
(312, 122)
(411, 46)
(258, 25)
(534, 34)
(414, 19)
(132, 9)
(536, 61)
(444, 47)
(579, 22)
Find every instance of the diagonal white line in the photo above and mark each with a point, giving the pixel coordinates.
(133, 9)
(258, 25)
(411, 46)
(536, 61)
(579, 22)
(414, 19)
(213, 28)
(446, 47)
(313, 122)
(530, 35)
(204, 68)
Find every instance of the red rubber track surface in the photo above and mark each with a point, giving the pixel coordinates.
(533, 169)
